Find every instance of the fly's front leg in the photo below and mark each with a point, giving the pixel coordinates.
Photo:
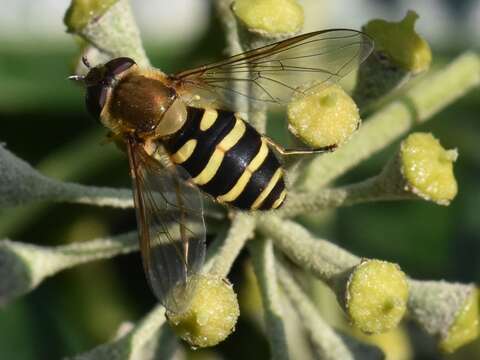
(284, 152)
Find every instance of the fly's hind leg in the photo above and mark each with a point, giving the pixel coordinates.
(284, 152)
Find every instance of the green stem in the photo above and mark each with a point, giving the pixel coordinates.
(24, 266)
(324, 259)
(263, 258)
(240, 231)
(75, 162)
(369, 190)
(227, 17)
(132, 345)
(234, 46)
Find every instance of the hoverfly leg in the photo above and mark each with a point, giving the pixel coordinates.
(285, 152)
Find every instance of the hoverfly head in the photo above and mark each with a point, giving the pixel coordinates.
(99, 81)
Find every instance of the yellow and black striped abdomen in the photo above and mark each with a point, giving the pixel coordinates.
(228, 159)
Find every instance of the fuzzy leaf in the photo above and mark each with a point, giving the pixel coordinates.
(24, 266)
(21, 184)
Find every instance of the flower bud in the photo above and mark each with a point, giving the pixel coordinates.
(211, 315)
(109, 26)
(82, 12)
(400, 43)
(428, 168)
(374, 294)
(399, 52)
(447, 311)
(395, 344)
(325, 116)
(271, 18)
(465, 325)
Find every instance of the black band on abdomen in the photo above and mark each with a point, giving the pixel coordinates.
(206, 140)
(258, 182)
(234, 163)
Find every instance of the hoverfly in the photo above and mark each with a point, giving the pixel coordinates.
(208, 148)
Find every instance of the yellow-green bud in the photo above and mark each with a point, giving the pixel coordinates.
(400, 42)
(325, 116)
(270, 17)
(81, 12)
(249, 294)
(395, 344)
(428, 168)
(211, 315)
(376, 297)
(465, 326)
(447, 311)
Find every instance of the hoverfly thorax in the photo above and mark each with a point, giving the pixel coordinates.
(139, 103)
(130, 100)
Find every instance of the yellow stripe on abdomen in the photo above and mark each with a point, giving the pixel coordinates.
(184, 152)
(208, 119)
(210, 169)
(239, 186)
(280, 199)
(216, 158)
(273, 181)
(233, 136)
(259, 158)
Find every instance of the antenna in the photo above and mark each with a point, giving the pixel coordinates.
(81, 77)
(86, 62)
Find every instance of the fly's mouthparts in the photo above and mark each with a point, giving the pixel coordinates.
(76, 77)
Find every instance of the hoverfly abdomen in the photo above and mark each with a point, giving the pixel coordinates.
(228, 159)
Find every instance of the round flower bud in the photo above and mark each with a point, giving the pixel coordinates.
(400, 43)
(428, 168)
(446, 311)
(211, 315)
(395, 344)
(465, 327)
(325, 116)
(81, 12)
(376, 296)
(270, 17)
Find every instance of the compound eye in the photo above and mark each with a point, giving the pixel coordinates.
(119, 65)
(95, 76)
(95, 99)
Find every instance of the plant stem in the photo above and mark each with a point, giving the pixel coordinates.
(131, 345)
(24, 266)
(322, 258)
(227, 17)
(327, 344)
(369, 190)
(261, 251)
(240, 231)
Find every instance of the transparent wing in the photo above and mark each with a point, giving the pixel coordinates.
(281, 70)
(171, 227)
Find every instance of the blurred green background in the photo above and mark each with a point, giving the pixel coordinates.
(43, 120)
